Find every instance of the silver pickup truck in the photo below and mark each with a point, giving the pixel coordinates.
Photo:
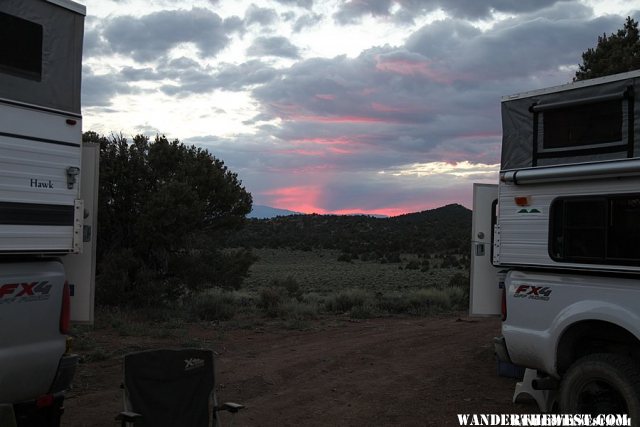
(48, 184)
(36, 368)
(556, 245)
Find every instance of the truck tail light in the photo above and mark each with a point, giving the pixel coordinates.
(44, 401)
(503, 305)
(65, 311)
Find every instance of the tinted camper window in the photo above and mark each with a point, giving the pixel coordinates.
(20, 47)
(586, 128)
(602, 230)
(583, 125)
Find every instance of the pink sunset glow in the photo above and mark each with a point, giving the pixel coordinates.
(322, 141)
(300, 199)
(341, 146)
(326, 96)
(354, 106)
(336, 119)
(383, 108)
(308, 200)
(413, 68)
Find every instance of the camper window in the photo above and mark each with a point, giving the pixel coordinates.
(591, 126)
(600, 229)
(583, 125)
(20, 47)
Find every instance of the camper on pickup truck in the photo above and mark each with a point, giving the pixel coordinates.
(47, 201)
(556, 244)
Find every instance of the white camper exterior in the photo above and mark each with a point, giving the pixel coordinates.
(567, 143)
(565, 266)
(40, 127)
(48, 207)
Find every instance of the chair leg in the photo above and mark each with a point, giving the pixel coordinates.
(215, 422)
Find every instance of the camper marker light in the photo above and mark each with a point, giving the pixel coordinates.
(522, 200)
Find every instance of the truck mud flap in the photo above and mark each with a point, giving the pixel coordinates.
(65, 373)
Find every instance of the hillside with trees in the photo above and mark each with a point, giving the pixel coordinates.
(438, 232)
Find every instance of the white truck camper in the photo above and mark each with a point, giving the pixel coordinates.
(556, 245)
(48, 207)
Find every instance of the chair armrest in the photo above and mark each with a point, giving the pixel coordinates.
(128, 417)
(229, 406)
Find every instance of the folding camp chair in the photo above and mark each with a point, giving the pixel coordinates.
(171, 388)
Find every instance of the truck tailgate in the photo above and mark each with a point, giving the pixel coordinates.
(31, 343)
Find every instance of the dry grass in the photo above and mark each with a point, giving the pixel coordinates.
(318, 271)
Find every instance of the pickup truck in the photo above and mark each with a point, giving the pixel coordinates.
(48, 182)
(555, 247)
(36, 366)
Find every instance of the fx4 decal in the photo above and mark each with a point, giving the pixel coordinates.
(542, 293)
(24, 292)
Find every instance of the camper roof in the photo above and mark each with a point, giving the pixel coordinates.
(573, 85)
(587, 121)
(71, 5)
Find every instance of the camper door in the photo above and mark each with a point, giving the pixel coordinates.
(485, 295)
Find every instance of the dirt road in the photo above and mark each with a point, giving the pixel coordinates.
(398, 371)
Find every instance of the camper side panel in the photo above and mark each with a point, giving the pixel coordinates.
(524, 230)
(38, 153)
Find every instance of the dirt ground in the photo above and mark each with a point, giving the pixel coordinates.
(391, 372)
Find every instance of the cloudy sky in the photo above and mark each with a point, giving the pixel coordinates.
(372, 106)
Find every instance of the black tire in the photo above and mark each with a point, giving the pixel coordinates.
(602, 384)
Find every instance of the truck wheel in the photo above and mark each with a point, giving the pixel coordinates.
(602, 384)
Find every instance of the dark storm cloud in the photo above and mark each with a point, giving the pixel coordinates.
(149, 37)
(93, 44)
(514, 48)
(260, 15)
(132, 74)
(273, 46)
(191, 78)
(435, 99)
(238, 77)
(307, 4)
(365, 90)
(233, 24)
(98, 90)
(351, 11)
(306, 21)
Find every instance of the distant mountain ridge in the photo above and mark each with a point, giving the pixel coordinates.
(442, 230)
(265, 212)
